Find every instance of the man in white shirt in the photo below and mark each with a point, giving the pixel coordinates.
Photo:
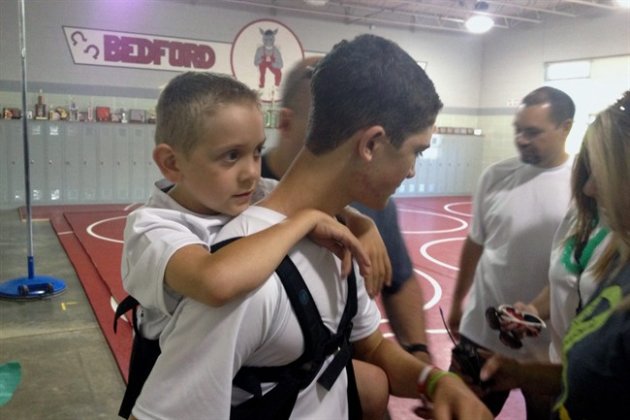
(518, 205)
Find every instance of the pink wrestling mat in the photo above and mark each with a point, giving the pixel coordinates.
(434, 229)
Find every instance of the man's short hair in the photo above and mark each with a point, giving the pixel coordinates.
(189, 99)
(297, 83)
(562, 106)
(364, 82)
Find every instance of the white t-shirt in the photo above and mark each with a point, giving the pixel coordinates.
(204, 347)
(152, 235)
(563, 282)
(516, 210)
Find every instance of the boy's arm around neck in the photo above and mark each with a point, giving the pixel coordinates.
(243, 265)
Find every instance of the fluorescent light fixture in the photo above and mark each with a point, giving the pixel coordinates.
(568, 70)
(318, 3)
(623, 3)
(479, 24)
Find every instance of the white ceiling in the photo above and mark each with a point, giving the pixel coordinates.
(441, 15)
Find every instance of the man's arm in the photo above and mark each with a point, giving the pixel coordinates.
(240, 267)
(471, 253)
(405, 311)
(451, 397)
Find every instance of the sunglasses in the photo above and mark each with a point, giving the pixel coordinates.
(512, 324)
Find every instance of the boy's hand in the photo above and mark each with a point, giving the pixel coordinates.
(453, 400)
(381, 273)
(367, 232)
(338, 239)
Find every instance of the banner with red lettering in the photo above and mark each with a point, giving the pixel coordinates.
(262, 51)
(133, 50)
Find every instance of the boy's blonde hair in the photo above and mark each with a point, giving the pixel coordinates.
(189, 99)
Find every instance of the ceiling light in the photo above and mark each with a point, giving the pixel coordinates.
(318, 3)
(479, 22)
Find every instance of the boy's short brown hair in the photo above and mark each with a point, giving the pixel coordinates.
(189, 99)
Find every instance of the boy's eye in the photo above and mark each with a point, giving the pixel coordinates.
(259, 150)
(232, 155)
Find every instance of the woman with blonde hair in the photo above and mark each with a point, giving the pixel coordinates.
(596, 349)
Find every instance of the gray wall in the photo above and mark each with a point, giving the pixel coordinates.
(513, 62)
(479, 78)
(50, 63)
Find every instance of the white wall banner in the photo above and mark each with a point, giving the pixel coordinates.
(260, 54)
(133, 50)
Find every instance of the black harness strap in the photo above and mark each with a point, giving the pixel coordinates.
(129, 303)
(319, 343)
(144, 353)
(278, 403)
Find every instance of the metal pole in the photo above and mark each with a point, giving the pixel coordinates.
(31, 287)
(27, 160)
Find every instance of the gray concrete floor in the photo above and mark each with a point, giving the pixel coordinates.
(68, 371)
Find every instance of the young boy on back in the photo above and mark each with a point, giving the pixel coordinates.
(209, 137)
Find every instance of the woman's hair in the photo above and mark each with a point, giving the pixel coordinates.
(607, 143)
(187, 102)
(586, 216)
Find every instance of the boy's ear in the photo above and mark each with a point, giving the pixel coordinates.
(166, 160)
(370, 141)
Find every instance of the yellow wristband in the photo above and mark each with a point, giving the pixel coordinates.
(434, 379)
(422, 379)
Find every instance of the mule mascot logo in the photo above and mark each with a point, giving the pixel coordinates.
(268, 57)
(260, 53)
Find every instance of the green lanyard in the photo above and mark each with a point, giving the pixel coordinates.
(577, 267)
(568, 257)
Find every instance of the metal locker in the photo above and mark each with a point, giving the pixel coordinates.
(138, 172)
(121, 164)
(88, 164)
(37, 155)
(72, 162)
(4, 164)
(54, 162)
(105, 164)
(152, 172)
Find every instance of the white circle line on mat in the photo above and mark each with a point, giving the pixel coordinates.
(448, 208)
(90, 230)
(462, 223)
(426, 246)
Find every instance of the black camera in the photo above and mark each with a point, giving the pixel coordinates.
(468, 360)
